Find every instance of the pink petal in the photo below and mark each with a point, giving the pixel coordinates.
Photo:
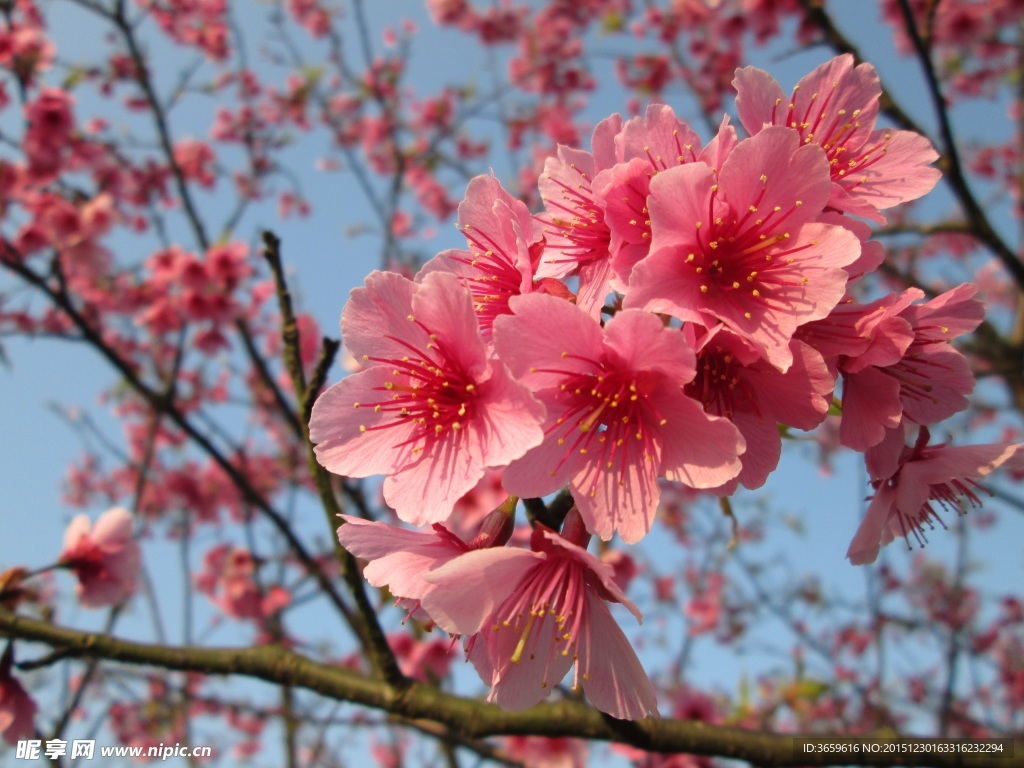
(773, 169)
(611, 674)
(470, 588)
(758, 98)
(763, 449)
(621, 498)
(644, 343)
(520, 685)
(660, 138)
(698, 450)
(525, 341)
(376, 317)
(335, 427)
(398, 558)
(77, 528)
(444, 306)
(425, 489)
(602, 571)
(901, 173)
(868, 540)
(883, 460)
(595, 285)
(113, 528)
(935, 379)
(871, 405)
(542, 470)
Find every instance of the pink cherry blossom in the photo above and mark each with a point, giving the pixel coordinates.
(657, 142)
(577, 237)
(504, 240)
(398, 558)
(430, 410)
(897, 362)
(742, 246)
(229, 579)
(835, 107)
(542, 752)
(539, 613)
(735, 382)
(617, 419)
(17, 708)
(105, 557)
(427, 661)
(926, 475)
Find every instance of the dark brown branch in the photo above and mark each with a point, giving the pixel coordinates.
(953, 167)
(371, 634)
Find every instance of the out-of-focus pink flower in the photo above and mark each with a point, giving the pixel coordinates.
(427, 660)
(704, 609)
(927, 474)
(539, 613)
(17, 709)
(617, 419)
(542, 752)
(431, 410)
(835, 107)
(106, 557)
(229, 579)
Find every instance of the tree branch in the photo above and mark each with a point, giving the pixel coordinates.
(474, 719)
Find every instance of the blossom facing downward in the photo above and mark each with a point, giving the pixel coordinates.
(538, 614)
(106, 557)
(927, 475)
(430, 409)
(398, 558)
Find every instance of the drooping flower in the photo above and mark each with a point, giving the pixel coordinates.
(743, 246)
(539, 613)
(927, 475)
(896, 360)
(617, 419)
(17, 708)
(430, 410)
(398, 558)
(105, 558)
(835, 107)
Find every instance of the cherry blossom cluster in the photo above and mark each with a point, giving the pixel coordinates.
(672, 311)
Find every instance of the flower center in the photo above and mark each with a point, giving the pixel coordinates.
(746, 259)
(605, 416)
(428, 388)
